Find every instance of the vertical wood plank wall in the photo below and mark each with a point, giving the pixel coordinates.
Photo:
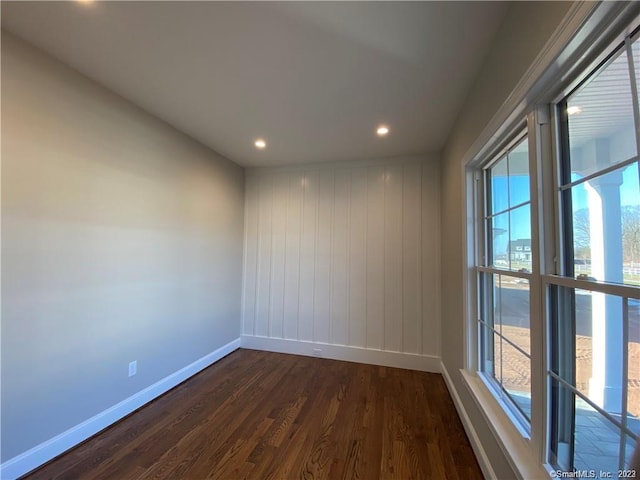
(345, 255)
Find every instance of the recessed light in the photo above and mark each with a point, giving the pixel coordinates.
(260, 143)
(573, 110)
(382, 130)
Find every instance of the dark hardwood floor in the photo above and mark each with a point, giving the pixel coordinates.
(273, 416)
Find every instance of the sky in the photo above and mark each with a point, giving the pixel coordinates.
(511, 193)
(515, 190)
(629, 190)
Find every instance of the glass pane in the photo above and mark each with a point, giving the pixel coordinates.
(597, 441)
(497, 305)
(630, 206)
(514, 311)
(486, 297)
(520, 239)
(631, 445)
(599, 348)
(500, 234)
(633, 362)
(516, 377)
(596, 369)
(601, 126)
(499, 186)
(606, 227)
(519, 174)
(584, 342)
(487, 346)
(491, 318)
(495, 354)
(561, 426)
(497, 357)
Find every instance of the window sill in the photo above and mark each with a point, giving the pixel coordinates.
(512, 438)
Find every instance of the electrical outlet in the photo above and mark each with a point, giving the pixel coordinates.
(133, 368)
(317, 352)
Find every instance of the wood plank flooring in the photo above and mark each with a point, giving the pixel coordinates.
(264, 415)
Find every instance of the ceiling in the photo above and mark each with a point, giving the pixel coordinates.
(604, 103)
(313, 79)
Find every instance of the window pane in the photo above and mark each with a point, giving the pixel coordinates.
(584, 342)
(633, 362)
(500, 240)
(516, 377)
(499, 186)
(497, 357)
(514, 311)
(506, 298)
(496, 317)
(561, 426)
(491, 353)
(520, 239)
(630, 444)
(519, 174)
(606, 227)
(601, 125)
(490, 315)
(596, 440)
(487, 344)
(589, 337)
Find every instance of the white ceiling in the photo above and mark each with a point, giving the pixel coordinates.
(314, 79)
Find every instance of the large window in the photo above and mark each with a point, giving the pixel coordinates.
(570, 182)
(594, 373)
(505, 347)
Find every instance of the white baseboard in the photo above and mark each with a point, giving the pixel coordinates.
(411, 361)
(40, 454)
(481, 455)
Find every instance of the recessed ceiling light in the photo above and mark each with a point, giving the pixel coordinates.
(260, 143)
(382, 130)
(574, 109)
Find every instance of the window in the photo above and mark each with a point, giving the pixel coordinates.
(558, 327)
(503, 322)
(594, 373)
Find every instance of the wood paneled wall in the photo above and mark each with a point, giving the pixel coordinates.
(345, 255)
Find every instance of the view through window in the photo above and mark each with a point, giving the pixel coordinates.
(595, 370)
(589, 310)
(504, 318)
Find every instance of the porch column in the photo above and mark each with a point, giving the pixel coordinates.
(605, 385)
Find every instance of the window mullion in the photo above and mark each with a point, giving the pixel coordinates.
(482, 184)
(537, 122)
(554, 222)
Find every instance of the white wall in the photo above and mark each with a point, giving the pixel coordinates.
(121, 241)
(345, 255)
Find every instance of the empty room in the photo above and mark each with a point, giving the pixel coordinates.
(320, 240)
